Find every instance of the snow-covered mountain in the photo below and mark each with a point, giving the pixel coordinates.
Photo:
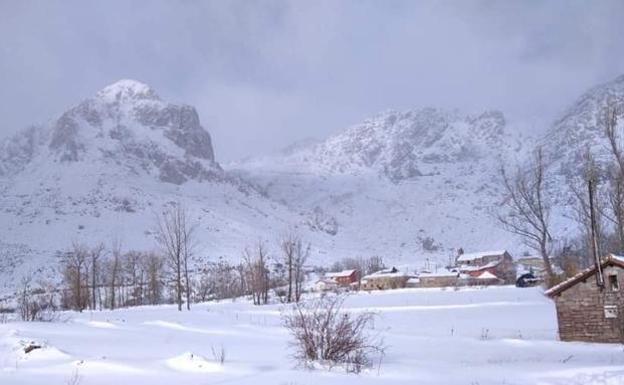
(125, 124)
(582, 126)
(408, 186)
(104, 169)
(428, 180)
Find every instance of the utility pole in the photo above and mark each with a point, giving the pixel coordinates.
(594, 235)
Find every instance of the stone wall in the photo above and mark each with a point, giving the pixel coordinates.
(384, 283)
(581, 310)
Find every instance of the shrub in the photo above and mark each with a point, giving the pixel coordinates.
(323, 333)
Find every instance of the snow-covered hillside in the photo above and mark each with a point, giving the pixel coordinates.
(105, 168)
(582, 126)
(408, 186)
(496, 335)
(405, 185)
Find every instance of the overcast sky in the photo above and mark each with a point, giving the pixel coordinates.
(263, 74)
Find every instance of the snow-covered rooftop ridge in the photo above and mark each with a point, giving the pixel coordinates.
(610, 258)
(344, 273)
(472, 256)
(391, 272)
(127, 89)
(439, 273)
(620, 258)
(487, 275)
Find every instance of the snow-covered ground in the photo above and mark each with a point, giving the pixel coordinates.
(497, 335)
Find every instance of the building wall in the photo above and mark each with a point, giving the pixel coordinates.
(506, 270)
(347, 280)
(438, 281)
(384, 283)
(581, 310)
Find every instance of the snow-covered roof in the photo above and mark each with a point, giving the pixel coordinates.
(477, 268)
(339, 274)
(441, 273)
(610, 259)
(392, 272)
(472, 256)
(487, 275)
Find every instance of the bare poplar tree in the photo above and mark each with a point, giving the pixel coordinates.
(257, 273)
(113, 270)
(152, 265)
(527, 208)
(175, 236)
(616, 173)
(95, 255)
(288, 245)
(74, 265)
(582, 214)
(300, 258)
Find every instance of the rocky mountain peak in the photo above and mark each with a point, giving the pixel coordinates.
(126, 90)
(406, 144)
(582, 126)
(128, 124)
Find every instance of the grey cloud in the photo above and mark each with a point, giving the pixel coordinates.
(265, 73)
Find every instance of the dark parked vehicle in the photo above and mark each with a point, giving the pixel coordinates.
(527, 280)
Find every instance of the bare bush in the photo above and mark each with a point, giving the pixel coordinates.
(218, 354)
(35, 304)
(74, 379)
(323, 333)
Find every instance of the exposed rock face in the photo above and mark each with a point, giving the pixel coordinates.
(582, 127)
(129, 123)
(403, 145)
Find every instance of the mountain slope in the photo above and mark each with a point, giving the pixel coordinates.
(408, 186)
(106, 168)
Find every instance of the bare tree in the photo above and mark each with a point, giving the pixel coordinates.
(579, 188)
(257, 273)
(94, 256)
(114, 270)
(300, 258)
(294, 256)
(616, 173)
(74, 265)
(175, 236)
(288, 255)
(527, 208)
(152, 264)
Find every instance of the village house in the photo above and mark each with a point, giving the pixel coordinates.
(497, 263)
(385, 279)
(588, 312)
(441, 278)
(336, 280)
(343, 278)
(452, 278)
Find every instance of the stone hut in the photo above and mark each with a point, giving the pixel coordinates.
(385, 280)
(588, 312)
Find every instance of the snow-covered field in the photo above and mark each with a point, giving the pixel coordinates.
(497, 335)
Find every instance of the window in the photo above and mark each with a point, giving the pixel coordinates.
(610, 311)
(613, 282)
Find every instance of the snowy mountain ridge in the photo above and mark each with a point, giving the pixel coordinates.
(404, 145)
(408, 186)
(125, 123)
